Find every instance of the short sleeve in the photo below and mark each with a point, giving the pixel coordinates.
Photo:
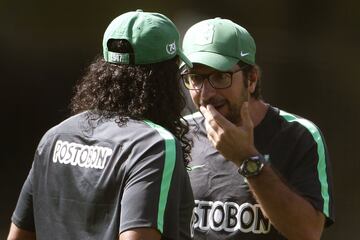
(23, 216)
(312, 174)
(151, 191)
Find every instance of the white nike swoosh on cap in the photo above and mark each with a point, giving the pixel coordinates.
(244, 54)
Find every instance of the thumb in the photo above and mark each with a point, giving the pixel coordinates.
(245, 116)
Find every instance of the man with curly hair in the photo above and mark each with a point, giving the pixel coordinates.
(115, 170)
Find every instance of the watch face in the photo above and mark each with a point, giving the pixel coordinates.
(252, 166)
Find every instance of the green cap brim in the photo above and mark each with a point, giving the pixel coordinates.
(185, 59)
(213, 60)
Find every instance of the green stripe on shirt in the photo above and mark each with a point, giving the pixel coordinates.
(321, 166)
(169, 165)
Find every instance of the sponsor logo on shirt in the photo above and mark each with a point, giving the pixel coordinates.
(192, 223)
(230, 217)
(80, 155)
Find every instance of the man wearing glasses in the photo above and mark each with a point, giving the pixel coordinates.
(257, 172)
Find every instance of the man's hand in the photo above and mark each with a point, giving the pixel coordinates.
(235, 143)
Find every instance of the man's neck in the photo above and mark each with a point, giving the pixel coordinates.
(258, 109)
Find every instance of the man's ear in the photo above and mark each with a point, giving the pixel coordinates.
(252, 80)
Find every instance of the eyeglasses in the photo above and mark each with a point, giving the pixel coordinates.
(218, 80)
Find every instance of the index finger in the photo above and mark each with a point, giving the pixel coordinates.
(215, 118)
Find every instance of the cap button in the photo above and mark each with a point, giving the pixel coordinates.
(139, 10)
(218, 18)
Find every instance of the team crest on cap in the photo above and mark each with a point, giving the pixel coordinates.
(171, 48)
(205, 34)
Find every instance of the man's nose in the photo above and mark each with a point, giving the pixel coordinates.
(207, 91)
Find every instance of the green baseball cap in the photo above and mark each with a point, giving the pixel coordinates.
(153, 37)
(219, 43)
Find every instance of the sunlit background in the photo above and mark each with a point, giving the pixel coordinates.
(308, 51)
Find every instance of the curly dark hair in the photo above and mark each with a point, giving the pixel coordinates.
(139, 92)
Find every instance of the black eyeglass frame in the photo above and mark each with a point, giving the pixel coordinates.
(207, 76)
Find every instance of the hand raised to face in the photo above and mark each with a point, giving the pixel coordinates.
(235, 143)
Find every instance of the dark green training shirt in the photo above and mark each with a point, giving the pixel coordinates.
(225, 207)
(94, 180)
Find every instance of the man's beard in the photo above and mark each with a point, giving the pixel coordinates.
(234, 109)
(234, 115)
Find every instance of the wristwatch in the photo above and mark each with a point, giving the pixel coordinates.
(252, 166)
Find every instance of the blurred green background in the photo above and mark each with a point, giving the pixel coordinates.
(308, 51)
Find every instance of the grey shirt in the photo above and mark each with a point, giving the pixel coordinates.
(225, 206)
(93, 180)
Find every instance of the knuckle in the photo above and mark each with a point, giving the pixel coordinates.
(212, 121)
(221, 136)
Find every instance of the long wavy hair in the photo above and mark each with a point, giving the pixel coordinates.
(139, 92)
